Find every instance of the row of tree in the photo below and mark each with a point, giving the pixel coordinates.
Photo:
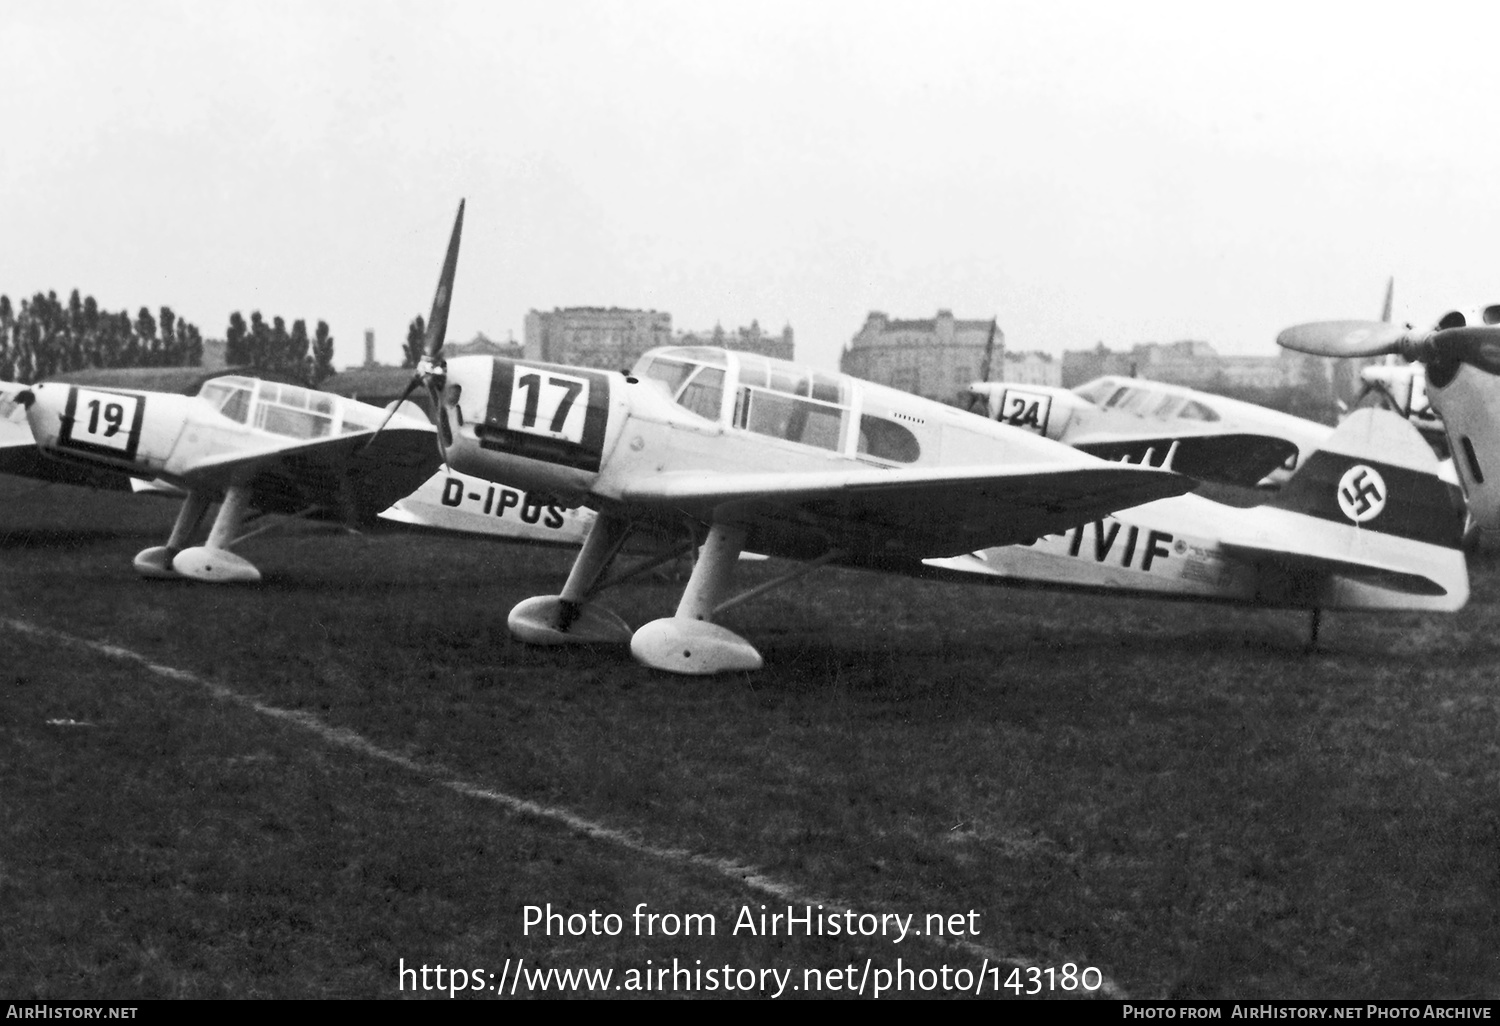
(47, 337)
(271, 347)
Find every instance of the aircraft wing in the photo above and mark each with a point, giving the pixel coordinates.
(1305, 563)
(874, 515)
(338, 474)
(1237, 459)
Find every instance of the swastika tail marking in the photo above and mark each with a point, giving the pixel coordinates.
(1362, 493)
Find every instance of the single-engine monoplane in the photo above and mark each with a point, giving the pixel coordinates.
(743, 452)
(1219, 439)
(249, 444)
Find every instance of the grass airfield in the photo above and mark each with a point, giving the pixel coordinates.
(289, 804)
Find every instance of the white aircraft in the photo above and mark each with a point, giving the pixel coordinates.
(277, 448)
(1462, 363)
(758, 454)
(444, 502)
(1114, 417)
(1366, 523)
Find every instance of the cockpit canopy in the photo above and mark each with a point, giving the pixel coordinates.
(1144, 399)
(777, 399)
(287, 410)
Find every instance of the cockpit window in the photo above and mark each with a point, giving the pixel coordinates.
(704, 393)
(669, 372)
(1167, 407)
(1095, 391)
(696, 388)
(786, 401)
(1194, 410)
(292, 411)
(1135, 400)
(229, 396)
(887, 440)
(796, 420)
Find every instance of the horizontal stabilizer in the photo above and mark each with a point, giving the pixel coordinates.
(1403, 581)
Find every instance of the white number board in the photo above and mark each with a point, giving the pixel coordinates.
(103, 421)
(1024, 409)
(545, 402)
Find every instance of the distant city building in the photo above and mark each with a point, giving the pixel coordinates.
(745, 340)
(1030, 369)
(935, 358)
(482, 345)
(1082, 365)
(1194, 364)
(590, 336)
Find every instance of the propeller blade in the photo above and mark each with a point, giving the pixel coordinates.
(1344, 338)
(431, 369)
(444, 432)
(411, 386)
(437, 324)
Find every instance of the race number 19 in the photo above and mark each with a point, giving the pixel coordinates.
(544, 402)
(102, 421)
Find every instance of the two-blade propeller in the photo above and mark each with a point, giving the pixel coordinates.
(1442, 350)
(432, 369)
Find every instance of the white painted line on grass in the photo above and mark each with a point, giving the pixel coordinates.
(739, 872)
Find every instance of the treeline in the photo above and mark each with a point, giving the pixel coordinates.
(46, 337)
(271, 347)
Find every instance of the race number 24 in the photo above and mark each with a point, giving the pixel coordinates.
(1023, 409)
(544, 402)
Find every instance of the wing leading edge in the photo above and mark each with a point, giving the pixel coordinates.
(354, 474)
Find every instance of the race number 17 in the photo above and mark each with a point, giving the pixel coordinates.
(549, 404)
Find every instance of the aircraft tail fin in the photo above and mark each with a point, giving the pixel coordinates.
(1377, 474)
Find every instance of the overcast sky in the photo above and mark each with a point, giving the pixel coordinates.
(1116, 172)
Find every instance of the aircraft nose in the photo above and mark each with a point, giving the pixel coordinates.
(468, 388)
(45, 408)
